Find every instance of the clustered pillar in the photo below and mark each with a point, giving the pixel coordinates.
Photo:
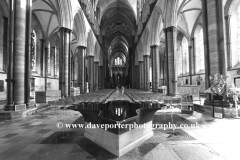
(90, 72)
(96, 70)
(81, 68)
(65, 57)
(18, 32)
(155, 67)
(214, 45)
(146, 74)
(171, 52)
(141, 79)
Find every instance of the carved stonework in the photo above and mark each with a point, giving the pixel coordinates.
(118, 26)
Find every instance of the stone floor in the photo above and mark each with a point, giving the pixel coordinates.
(38, 138)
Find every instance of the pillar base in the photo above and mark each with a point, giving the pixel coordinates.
(9, 107)
(217, 103)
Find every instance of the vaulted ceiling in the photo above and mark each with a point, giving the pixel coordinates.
(118, 24)
(189, 12)
(47, 13)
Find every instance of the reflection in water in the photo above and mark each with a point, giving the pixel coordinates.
(120, 110)
(117, 110)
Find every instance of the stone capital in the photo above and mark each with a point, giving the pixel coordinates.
(170, 29)
(90, 56)
(146, 55)
(154, 46)
(62, 29)
(67, 30)
(81, 47)
(227, 17)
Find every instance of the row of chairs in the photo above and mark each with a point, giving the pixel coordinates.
(88, 98)
(184, 102)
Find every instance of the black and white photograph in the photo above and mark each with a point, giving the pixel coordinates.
(119, 79)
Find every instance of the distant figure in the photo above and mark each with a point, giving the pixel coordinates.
(122, 89)
(117, 89)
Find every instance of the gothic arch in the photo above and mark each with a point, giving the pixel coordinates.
(96, 52)
(80, 27)
(171, 13)
(156, 26)
(146, 42)
(140, 51)
(90, 43)
(196, 24)
(65, 14)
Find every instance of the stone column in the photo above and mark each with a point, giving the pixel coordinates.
(66, 61)
(81, 68)
(228, 40)
(155, 67)
(161, 70)
(61, 61)
(9, 80)
(28, 51)
(141, 81)
(100, 76)
(213, 30)
(146, 64)
(96, 66)
(54, 62)
(193, 53)
(171, 52)
(70, 61)
(190, 63)
(41, 57)
(90, 72)
(46, 65)
(85, 68)
(20, 9)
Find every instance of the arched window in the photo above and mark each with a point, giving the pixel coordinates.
(180, 61)
(55, 61)
(234, 27)
(118, 61)
(199, 50)
(183, 58)
(238, 34)
(33, 51)
(48, 59)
